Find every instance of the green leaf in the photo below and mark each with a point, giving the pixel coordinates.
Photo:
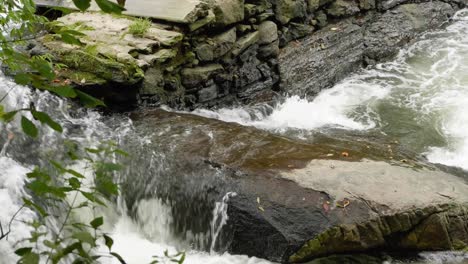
(88, 100)
(74, 183)
(108, 241)
(23, 78)
(92, 198)
(49, 244)
(23, 251)
(38, 174)
(97, 222)
(70, 39)
(40, 189)
(85, 237)
(8, 116)
(28, 127)
(45, 119)
(118, 257)
(82, 4)
(35, 207)
(75, 173)
(121, 152)
(58, 166)
(64, 91)
(30, 258)
(94, 151)
(109, 7)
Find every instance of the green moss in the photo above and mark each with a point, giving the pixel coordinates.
(106, 68)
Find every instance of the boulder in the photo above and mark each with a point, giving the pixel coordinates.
(268, 32)
(292, 200)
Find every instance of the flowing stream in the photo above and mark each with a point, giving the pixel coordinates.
(420, 99)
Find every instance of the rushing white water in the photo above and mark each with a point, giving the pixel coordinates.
(136, 241)
(420, 97)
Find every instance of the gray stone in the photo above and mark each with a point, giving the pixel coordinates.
(295, 31)
(268, 32)
(216, 46)
(202, 22)
(288, 9)
(312, 5)
(228, 12)
(322, 59)
(208, 93)
(321, 19)
(342, 8)
(366, 4)
(193, 77)
(269, 50)
(160, 56)
(154, 81)
(250, 10)
(245, 42)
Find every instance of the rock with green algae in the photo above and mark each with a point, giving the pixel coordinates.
(110, 51)
(101, 67)
(286, 10)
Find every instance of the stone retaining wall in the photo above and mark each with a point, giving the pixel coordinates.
(229, 51)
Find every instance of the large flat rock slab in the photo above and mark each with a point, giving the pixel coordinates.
(298, 200)
(181, 11)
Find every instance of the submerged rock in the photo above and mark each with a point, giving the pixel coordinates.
(298, 200)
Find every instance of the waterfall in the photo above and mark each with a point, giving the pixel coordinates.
(220, 218)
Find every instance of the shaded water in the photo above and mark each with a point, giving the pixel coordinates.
(419, 100)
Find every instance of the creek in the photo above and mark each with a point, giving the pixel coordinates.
(419, 99)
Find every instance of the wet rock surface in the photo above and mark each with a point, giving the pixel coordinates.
(297, 200)
(341, 48)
